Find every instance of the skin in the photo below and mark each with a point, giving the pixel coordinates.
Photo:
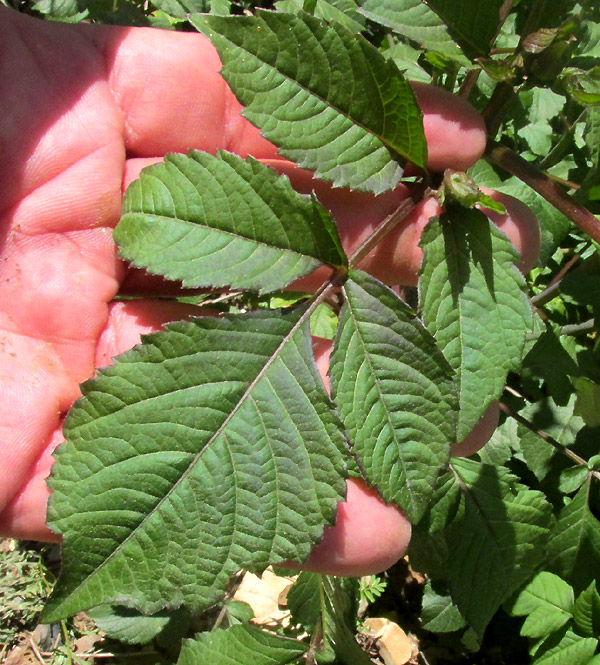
(479, 435)
(80, 112)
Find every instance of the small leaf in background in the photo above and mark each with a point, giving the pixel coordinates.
(472, 301)
(414, 20)
(129, 626)
(350, 125)
(337, 619)
(304, 601)
(326, 604)
(240, 645)
(223, 221)
(572, 479)
(550, 345)
(211, 447)
(496, 542)
(407, 60)
(67, 11)
(394, 393)
(591, 136)
(323, 322)
(180, 8)
(587, 611)
(439, 613)
(588, 401)
(547, 602)
(565, 648)
(573, 550)
(342, 11)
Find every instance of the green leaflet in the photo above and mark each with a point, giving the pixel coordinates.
(496, 541)
(414, 20)
(342, 11)
(329, 100)
(587, 611)
(439, 613)
(129, 626)
(547, 602)
(211, 447)
(472, 301)
(473, 25)
(566, 648)
(573, 551)
(240, 645)
(222, 221)
(394, 393)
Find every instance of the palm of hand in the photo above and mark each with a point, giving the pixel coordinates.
(83, 108)
(72, 122)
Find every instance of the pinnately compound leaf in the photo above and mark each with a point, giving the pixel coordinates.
(394, 392)
(327, 98)
(472, 301)
(211, 447)
(222, 221)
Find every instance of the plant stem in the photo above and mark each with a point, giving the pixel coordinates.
(574, 457)
(503, 156)
(495, 111)
(550, 291)
(469, 83)
(579, 328)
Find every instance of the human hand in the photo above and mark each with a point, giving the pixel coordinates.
(83, 109)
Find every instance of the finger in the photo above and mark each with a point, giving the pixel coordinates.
(455, 131)
(186, 104)
(25, 513)
(479, 435)
(368, 537)
(520, 225)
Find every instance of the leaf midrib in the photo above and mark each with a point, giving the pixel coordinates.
(191, 465)
(409, 481)
(324, 101)
(155, 217)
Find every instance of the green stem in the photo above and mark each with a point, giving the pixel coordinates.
(495, 111)
(579, 328)
(515, 165)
